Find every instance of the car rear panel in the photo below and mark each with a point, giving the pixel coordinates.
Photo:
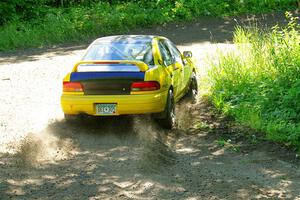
(126, 104)
(106, 83)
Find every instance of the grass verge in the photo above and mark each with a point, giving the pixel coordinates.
(259, 83)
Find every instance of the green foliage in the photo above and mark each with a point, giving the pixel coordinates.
(259, 84)
(21, 10)
(34, 23)
(221, 142)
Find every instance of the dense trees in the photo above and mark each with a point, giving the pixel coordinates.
(30, 9)
(34, 23)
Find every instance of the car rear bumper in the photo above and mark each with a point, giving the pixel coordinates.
(74, 104)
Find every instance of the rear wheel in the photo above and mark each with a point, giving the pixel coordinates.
(193, 88)
(169, 119)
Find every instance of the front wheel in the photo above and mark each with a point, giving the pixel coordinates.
(169, 119)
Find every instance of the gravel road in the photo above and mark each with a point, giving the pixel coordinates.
(206, 157)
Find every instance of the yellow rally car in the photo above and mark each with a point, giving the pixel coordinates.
(130, 74)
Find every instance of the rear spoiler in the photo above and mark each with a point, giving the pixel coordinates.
(141, 65)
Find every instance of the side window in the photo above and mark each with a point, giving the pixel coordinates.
(165, 53)
(175, 52)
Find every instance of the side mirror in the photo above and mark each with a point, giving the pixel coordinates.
(187, 54)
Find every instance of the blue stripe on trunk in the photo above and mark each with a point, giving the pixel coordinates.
(80, 76)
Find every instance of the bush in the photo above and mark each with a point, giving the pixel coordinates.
(259, 84)
(34, 23)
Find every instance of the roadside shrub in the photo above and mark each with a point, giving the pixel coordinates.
(259, 83)
(35, 23)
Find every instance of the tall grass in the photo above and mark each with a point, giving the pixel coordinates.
(52, 25)
(259, 83)
(76, 24)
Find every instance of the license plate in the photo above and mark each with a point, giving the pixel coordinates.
(106, 109)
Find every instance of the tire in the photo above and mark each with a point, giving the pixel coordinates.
(193, 88)
(169, 119)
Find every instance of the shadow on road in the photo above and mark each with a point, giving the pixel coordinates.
(87, 157)
(133, 158)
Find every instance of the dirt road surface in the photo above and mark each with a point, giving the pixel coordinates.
(206, 157)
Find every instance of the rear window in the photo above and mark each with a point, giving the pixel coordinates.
(121, 50)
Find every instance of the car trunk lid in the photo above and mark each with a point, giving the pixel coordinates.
(108, 77)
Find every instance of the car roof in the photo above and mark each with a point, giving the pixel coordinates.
(126, 38)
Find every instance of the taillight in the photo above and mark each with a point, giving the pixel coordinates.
(145, 86)
(72, 87)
